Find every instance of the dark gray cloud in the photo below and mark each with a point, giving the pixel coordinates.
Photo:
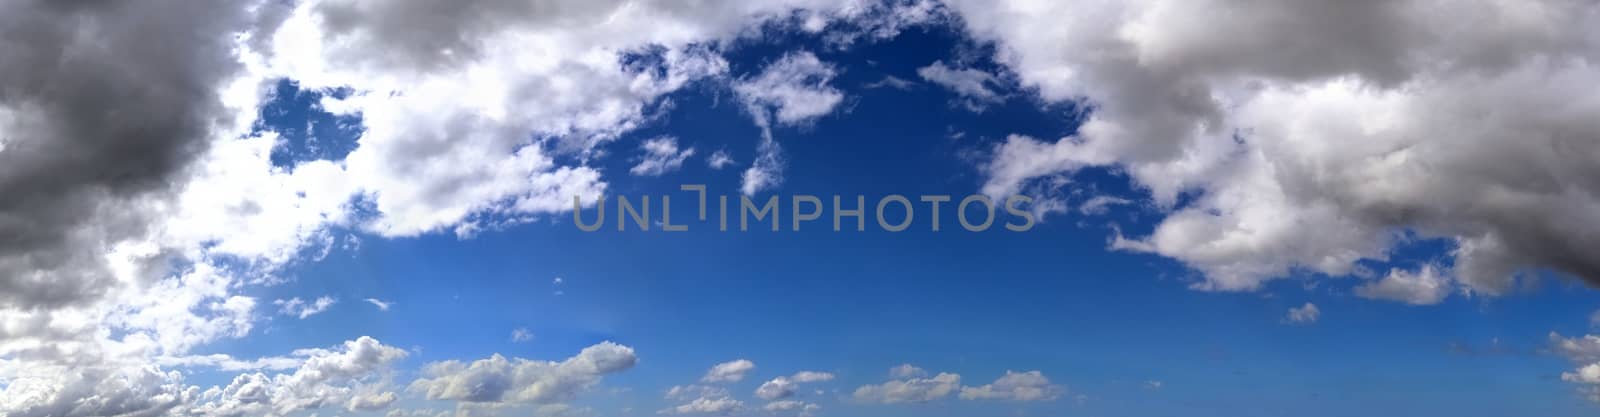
(101, 104)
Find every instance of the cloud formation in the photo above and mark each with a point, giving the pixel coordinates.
(730, 371)
(793, 90)
(973, 85)
(501, 380)
(1312, 147)
(660, 155)
(1305, 314)
(909, 389)
(301, 308)
(1015, 386)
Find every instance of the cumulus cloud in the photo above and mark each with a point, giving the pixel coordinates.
(906, 370)
(1584, 352)
(792, 90)
(730, 371)
(501, 380)
(139, 391)
(792, 407)
(346, 376)
(521, 334)
(1305, 314)
(660, 156)
(784, 387)
(1423, 287)
(302, 308)
(910, 390)
(93, 138)
(1015, 386)
(1313, 146)
(707, 405)
(143, 200)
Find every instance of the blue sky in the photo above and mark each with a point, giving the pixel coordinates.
(1106, 325)
(355, 208)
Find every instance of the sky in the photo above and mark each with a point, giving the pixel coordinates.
(366, 208)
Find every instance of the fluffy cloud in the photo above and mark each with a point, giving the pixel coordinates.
(349, 376)
(792, 90)
(784, 387)
(1015, 386)
(1315, 146)
(730, 371)
(92, 138)
(143, 202)
(345, 377)
(914, 389)
(1585, 353)
(792, 407)
(906, 370)
(301, 308)
(707, 405)
(1424, 287)
(501, 380)
(661, 155)
(1306, 314)
(133, 391)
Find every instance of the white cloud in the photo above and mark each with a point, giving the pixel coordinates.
(719, 160)
(1305, 314)
(731, 371)
(380, 304)
(911, 390)
(780, 387)
(1585, 353)
(1015, 386)
(792, 407)
(811, 376)
(707, 405)
(1587, 374)
(906, 370)
(685, 392)
(784, 387)
(891, 81)
(301, 308)
(1100, 204)
(1424, 287)
(974, 86)
(1311, 146)
(137, 258)
(521, 334)
(500, 380)
(369, 402)
(346, 376)
(661, 155)
(1580, 349)
(792, 90)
